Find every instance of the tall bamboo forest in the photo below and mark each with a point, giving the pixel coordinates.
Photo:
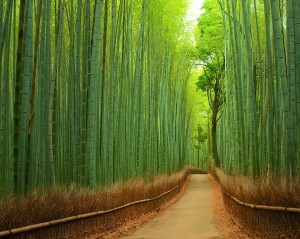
(249, 52)
(97, 92)
(107, 108)
(259, 131)
(92, 92)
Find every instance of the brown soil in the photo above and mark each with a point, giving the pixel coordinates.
(225, 223)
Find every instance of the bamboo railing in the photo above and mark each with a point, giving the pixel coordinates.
(255, 206)
(263, 207)
(81, 216)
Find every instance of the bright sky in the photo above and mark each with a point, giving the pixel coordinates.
(192, 15)
(194, 11)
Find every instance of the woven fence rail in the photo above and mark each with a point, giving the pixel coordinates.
(82, 216)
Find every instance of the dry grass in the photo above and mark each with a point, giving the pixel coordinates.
(226, 226)
(136, 222)
(270, 192)
(59, 203)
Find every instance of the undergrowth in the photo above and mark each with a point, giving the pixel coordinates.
(264, 191)
(59, 202)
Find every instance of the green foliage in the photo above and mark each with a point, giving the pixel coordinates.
(210, 72)
(210, 33)
(201, 135)
(210, 55)
(210, 51)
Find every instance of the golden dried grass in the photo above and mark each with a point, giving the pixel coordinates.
(59, 202)
(266, 191)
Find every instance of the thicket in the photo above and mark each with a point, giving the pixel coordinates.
(258, 130)
(92, 92)
(249, 53)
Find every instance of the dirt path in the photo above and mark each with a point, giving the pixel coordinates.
(190, 218)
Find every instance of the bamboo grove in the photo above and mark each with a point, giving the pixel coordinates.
(91, 92)
(259, 131)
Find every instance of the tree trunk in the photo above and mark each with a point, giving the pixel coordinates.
(214, 136)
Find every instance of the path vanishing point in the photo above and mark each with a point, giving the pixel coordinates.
(189, 218)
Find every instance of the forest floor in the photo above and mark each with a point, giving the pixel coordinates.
(193, 216)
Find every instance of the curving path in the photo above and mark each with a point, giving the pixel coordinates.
(189, 218)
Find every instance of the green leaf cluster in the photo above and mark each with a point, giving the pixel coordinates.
(210, 33)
